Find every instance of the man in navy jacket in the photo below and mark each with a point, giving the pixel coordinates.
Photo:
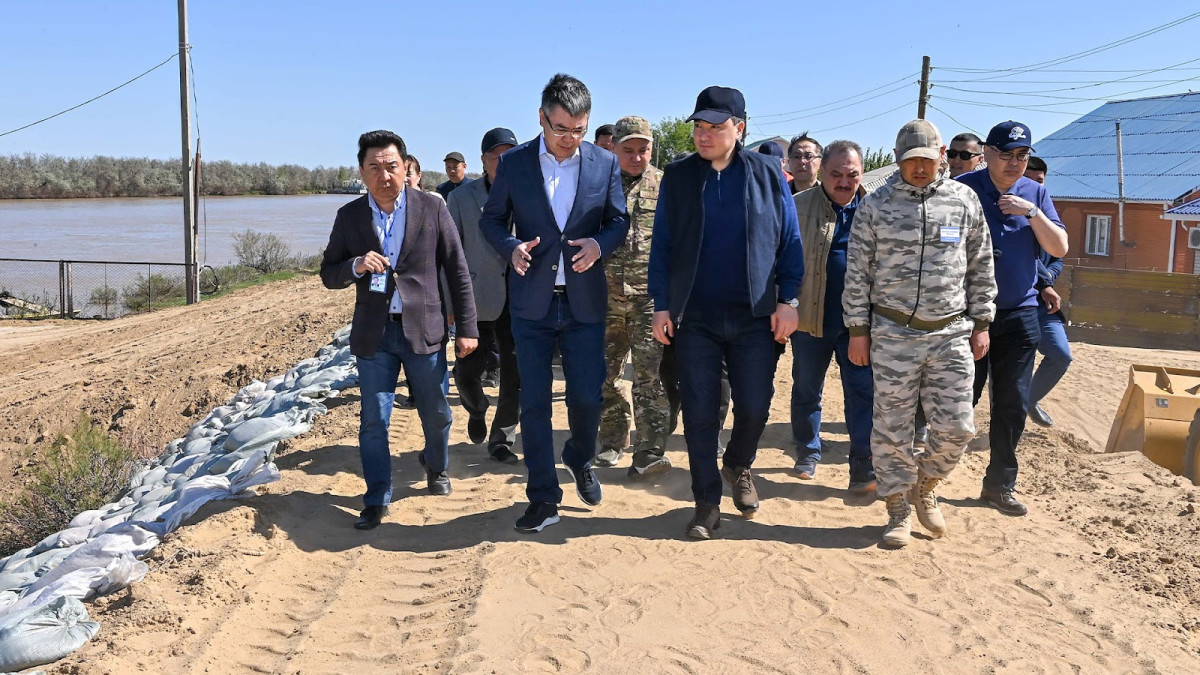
(564, 197)
(725, 266)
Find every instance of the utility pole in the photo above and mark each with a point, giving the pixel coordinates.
(1120, 188)
(191, 286)
(924, 96)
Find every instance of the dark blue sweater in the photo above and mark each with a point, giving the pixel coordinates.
(723, 249)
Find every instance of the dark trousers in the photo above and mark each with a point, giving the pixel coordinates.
(810, 362)
(1014, 338)
(668, 374)
(468, 377)
(582, 348)
(707, 340)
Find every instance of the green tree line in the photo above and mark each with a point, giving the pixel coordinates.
(31, 176)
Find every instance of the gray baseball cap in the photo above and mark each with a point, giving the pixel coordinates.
(918, 138)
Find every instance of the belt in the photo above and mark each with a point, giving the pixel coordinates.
(911, 321)
(395, 317)
(561, 290)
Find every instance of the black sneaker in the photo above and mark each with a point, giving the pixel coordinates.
(587, 485)
(477, 429)
(1038, 415)
(706, 520)
(538, 517)
(647, 463)
(1003, 501)
(491, 379)
(501, 452)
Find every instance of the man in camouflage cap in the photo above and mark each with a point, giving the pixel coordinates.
(630, 310)
(920, 294)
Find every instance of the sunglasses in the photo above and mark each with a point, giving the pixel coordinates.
(962, 154)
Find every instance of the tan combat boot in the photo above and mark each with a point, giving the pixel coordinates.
(922, 497)
(899, 527)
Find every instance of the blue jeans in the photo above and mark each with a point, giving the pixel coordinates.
(1056, 354)
(582, 349)
(429, 383)
(1014, 337)
(810, 362)
(708, 340)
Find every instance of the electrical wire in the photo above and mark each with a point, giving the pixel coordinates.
(966, 126)
(865, 119)
(90, 100)
(841, 107)
(842, 100)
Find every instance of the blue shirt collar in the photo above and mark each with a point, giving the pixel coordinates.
(396, 207)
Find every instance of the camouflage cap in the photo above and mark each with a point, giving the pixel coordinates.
(632, 127)
(918, 138)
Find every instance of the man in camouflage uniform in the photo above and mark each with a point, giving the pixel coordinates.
(920, 294)
(630, 310)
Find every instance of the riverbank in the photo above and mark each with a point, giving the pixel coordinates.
(1102, 576)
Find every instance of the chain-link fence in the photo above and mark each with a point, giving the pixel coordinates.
(87, 288)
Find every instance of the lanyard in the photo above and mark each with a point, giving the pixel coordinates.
(387, 221)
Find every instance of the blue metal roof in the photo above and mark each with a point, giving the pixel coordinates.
(1191, 208)
(1160, 138)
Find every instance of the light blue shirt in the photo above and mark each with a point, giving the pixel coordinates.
(561, 181)
(389, 228)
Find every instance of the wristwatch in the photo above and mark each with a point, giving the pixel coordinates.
(1033, 211)
(793, 303)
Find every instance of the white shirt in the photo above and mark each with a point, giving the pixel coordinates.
(389, 228)
(561, 181)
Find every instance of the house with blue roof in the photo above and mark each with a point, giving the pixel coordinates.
(1130, 210)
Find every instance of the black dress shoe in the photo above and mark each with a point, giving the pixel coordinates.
(501, 452)
(370, 517)
(587, 485)
(538, 517)
(1037, 414)
(477, 429)
(1003, 501)
(438, 482)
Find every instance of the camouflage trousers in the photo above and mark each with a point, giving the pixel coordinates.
(628, 334)
(935, 369)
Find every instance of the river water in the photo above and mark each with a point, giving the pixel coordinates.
(144, 230)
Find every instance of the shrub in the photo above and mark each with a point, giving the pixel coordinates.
(268, 253)
(104, 298)
(146, 292)
(79, 471)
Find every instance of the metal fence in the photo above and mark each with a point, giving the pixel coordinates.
(92, 289)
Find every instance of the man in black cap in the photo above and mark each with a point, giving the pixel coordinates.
(604, 136)
(456, 172)
(725, 266)
(489, 271)
(1023, 221)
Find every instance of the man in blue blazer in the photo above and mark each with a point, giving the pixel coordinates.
(564, 196)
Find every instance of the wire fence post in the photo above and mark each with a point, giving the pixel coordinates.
(70, 285)
(62, 289)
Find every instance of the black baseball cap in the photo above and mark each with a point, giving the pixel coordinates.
(456, 156)
(771, 148)
(497, 136)
(717, 104)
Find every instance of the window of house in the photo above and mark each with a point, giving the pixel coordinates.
(1098, 231)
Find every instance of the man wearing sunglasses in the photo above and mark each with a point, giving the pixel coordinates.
(564, 198)
(965, 154)
(1022, 220)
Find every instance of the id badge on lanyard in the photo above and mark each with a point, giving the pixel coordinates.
(379, 279)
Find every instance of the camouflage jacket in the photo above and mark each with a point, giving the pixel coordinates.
(629, 266)
(926, 252)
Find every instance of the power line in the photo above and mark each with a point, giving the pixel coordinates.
(1067, 100)
(842, 100)
(966, 126)
(850, 124)
(1008, 72)
(95, 98)
(841, 107)
(1045, 92)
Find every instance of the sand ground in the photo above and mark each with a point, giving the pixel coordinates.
(1102, 576)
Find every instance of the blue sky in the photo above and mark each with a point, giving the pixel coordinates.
(296, 82)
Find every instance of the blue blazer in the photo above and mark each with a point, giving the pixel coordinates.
(598, 213)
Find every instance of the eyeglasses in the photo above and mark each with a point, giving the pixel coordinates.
(806, 156)
(962, 154)
(1010, 156)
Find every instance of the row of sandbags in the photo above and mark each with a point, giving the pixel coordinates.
(42, 617)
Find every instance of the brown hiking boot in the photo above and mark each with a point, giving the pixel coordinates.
(899, 527)
(745, 497)
(922, 497)
(707, 519)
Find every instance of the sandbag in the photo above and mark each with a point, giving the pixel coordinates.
(44, 634)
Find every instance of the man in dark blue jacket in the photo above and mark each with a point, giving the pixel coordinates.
(725, 266)
(564, 198)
